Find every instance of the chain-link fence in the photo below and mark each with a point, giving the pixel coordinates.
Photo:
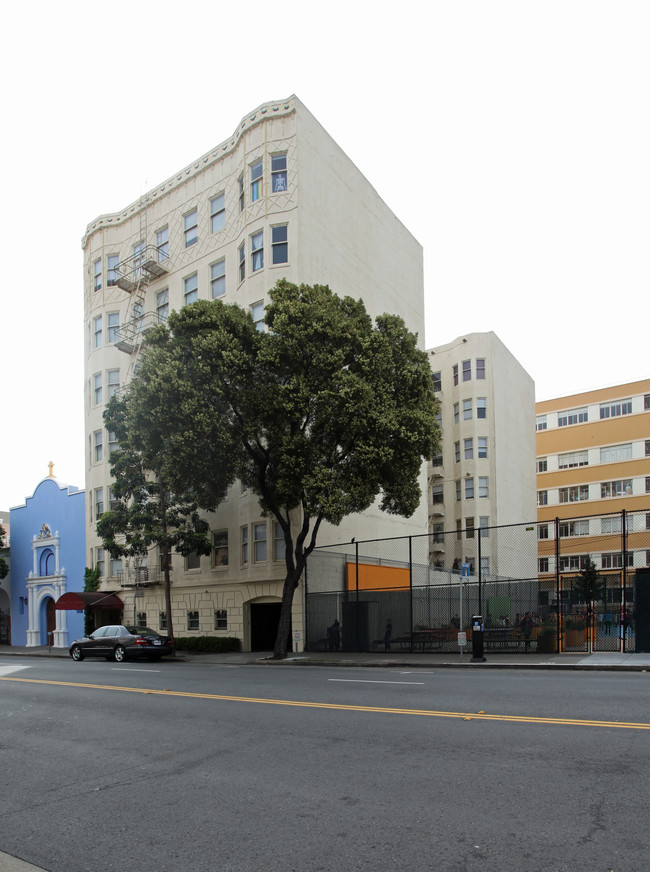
(567, 585)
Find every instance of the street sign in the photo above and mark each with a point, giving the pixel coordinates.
(464, 570)
(462, 639)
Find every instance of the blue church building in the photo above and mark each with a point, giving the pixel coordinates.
(47, 558)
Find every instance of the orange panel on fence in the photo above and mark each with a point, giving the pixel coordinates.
(373, 577)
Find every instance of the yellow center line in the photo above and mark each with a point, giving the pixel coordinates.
(482, 716)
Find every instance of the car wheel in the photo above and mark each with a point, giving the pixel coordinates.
(77, 653)
(119, 654)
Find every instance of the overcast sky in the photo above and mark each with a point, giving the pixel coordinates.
(512, 138)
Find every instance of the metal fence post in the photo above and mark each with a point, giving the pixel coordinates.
(558, 592)
(411, 588)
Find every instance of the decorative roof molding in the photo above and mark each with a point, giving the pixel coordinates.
(252, 119)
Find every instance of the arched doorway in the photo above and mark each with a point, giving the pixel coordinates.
(47, 620)
(264, 625)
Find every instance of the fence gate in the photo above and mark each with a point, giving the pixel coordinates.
(606, 624)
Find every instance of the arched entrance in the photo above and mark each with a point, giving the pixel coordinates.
(47, 623)
(264, 625)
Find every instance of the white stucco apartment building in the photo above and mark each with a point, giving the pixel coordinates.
(276, 199)
(485, 474)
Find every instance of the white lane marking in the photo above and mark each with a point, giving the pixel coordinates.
(369, 681)
(419, 672)
(7, 670)
(119, 669)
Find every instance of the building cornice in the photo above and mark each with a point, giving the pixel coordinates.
(248, 122)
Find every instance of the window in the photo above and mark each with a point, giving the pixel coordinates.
(438, 533)
(574, 528)
(542, 498)
(622, 487)
(458, 490)
(220, 548)
(279, 244)
(162, 620)
(278, 173)
(113, 321)
(615, 453)
(98, 445)
(576, 458)
(467, 410)
(112, 382)
(543, 564)
(482, 486)
(481, 407)
(574, 494)
(112, 501)
(256, 181)
(647, 447)
(244, 545)
(257, 251)
(482, 447)
(279, 545)
(615, 410)
(193, 560)
(646, 402)
(193, 620)
(221, 619)
(611, 525)
(217, 213)
(541, 422)
(259, 542)
(615, 560)
(436, 378)
(141, 619)
(97, 383)
(454, 372)
(190, 227)
(456, 413)
(436, 460)
(162, 304)
(542, 464)
(218, 278)
(480, 367)
(138, 256)
(437, 494)
(240, 182)
(467, 370)
(469, 488)
(100, 563)
(468, 448)
(573, 562)
(99, 502)
(191, 288)
(542, 531)
(113, 273)
(97, 274)
(257, 311)
(112, 444)
(97, 331)
(116, 572)
(647, 484)
(459, 530)
(457, 451)
(573, 416)
(484, 525)
(242, 261)
(469, 528)
(162, 243)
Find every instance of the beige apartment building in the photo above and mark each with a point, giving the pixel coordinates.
(485, 474)
(593, 463)
(276, 199)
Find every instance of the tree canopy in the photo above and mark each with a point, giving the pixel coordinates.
(318, 414)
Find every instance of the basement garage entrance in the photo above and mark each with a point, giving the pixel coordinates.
(264, 625)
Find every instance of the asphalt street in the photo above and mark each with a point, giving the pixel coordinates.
(202, 766)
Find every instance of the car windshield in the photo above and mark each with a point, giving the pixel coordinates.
(142, 631)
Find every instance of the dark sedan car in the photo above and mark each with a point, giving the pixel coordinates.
(118, 642)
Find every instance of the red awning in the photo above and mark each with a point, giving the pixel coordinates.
(96, 600)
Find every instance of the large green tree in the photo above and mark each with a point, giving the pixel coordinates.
(152, 508)
(319, 414)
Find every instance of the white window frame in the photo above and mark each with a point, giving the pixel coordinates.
(218, 278)
(191, 227)
(162, 243)
(279, 257)
(191, 288)
(218, 213)
(279, 177)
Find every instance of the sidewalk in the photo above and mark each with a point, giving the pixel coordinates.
(606, 661)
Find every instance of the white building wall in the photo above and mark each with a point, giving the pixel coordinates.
(339, 233)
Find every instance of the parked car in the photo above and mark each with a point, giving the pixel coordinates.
(119, 642)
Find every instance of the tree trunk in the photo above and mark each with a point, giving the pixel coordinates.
(284, 624)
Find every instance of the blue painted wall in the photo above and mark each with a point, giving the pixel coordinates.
(63, 509)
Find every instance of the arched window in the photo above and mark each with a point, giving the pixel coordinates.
(46, 562)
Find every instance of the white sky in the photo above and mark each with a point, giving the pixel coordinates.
(511, 137)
